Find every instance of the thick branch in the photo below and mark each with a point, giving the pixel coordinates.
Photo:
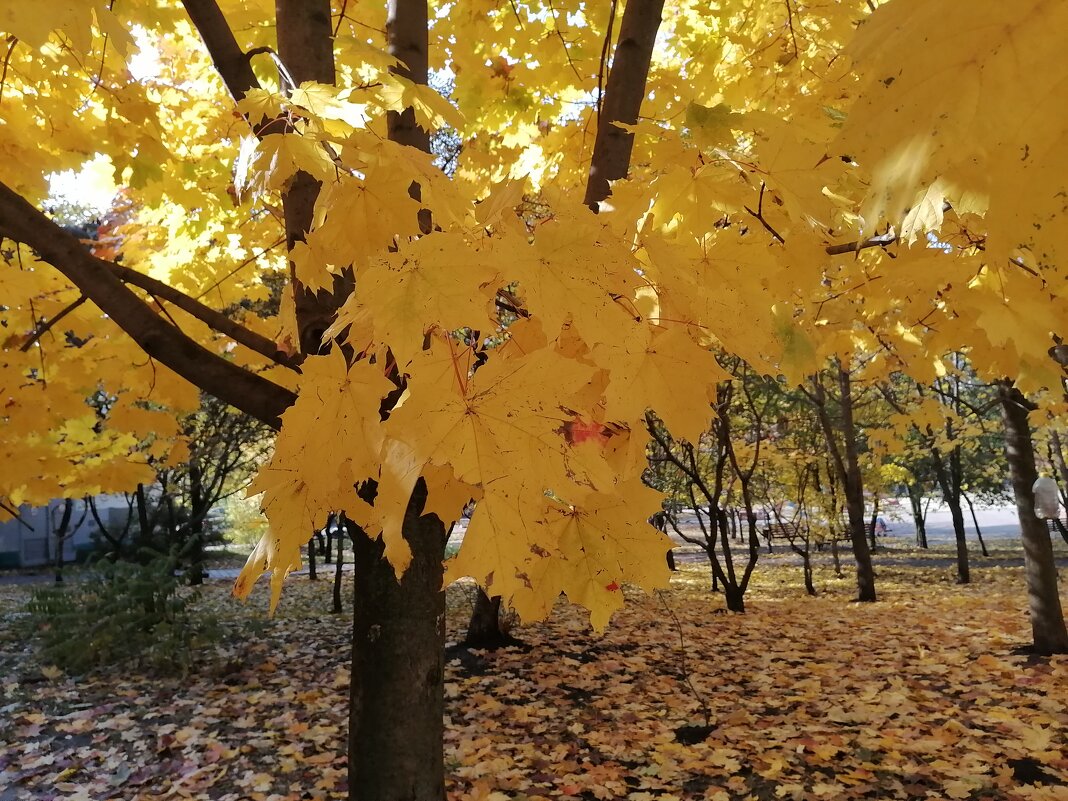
(210, 372)
(233, 65)
(215, 320)
(624, 93)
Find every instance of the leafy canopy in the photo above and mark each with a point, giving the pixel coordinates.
(791, 168)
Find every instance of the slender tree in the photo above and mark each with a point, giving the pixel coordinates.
(1047, 619)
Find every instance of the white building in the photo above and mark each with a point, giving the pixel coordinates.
(30, 540)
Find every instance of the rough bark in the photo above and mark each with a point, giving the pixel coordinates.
(1047, 619)
(396, 707)
(624, 92)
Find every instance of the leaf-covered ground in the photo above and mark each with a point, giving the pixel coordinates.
(918, 696)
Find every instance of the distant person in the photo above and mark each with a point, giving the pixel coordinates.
(881, 527)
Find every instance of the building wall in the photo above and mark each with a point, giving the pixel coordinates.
(29, 540)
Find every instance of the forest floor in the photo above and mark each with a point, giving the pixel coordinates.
(928, 693)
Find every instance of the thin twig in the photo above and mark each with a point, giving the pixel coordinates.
(790, 23)
(682, 661)
(241, 266)
(45, 326)
(11, 42)
(515, 11)
(604, 59)
(340, 17)
(560, 36)
(759, 215)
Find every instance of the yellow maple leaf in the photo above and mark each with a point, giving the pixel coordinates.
(643, 367)
(331, 439)
(434, 282)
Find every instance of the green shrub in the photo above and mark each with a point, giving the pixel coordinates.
(121, 613)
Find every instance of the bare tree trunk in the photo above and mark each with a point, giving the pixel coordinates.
(338, 608)
(61, 536)
(975, 522)
(806, 566)
(1047, 619)
(919, 515)
(396, 708)
(846, 462)
(143, 522)
(874, 522)
(484, 629)
(854, 492)
(952, 500)
(312, 575)
(195, 548)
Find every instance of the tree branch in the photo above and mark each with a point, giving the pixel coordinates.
(217, 376)
(759, 215)
(215, 320)
(232, 64)
(46, 326)
(624, 92)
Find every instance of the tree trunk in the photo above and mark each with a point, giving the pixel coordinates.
(964, 575)
(919, 515)
(484, 628)
(806, 566)
(312, 575)
(195, 547)
(975, 523)
(61, 536)
(396, 703)
(143, 522)
(952, 500)
(1047, 619)
(1062, 465)
(853, 486)
(735, 598)
(873, 523)
(338, 608)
